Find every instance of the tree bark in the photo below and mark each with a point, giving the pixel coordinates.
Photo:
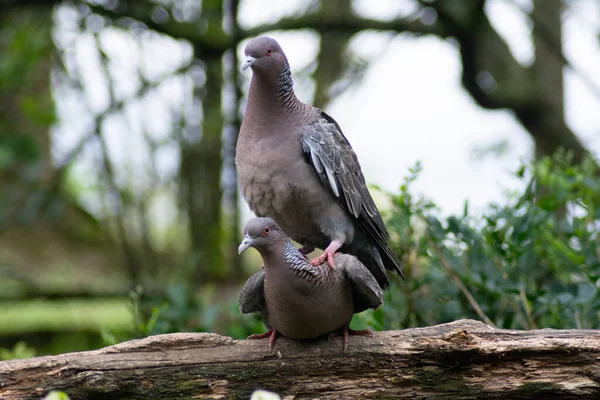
(548, 70)
(202, 159)
(201, 175)
(331, 58)
(462, 359)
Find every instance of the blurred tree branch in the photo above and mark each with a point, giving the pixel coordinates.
(490, 73)
(201, 158)
(331, 52)
(496, 80)
(233, 91)
(212, 42)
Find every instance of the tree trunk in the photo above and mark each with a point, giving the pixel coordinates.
(458, 360)
(331, 52)
(201, 174)
(26, 112)
(202, 159)
(231, 194)
(548, 69)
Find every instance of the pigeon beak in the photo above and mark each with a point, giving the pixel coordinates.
(247, 63)
(247, 242)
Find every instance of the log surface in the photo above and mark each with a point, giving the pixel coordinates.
(460, 360)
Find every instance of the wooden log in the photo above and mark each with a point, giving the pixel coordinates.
(460, 360)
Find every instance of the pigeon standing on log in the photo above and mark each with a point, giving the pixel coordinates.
(295, 165)
(297, 299)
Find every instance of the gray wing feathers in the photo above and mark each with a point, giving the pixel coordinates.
(366, 292)
(252, 298)
(332, 156)
(337, 165)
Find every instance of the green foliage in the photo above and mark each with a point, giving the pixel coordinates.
(533, 262)
(28, 109)
(182, 309)
(18, 317)
(17, 148)
(19, 350)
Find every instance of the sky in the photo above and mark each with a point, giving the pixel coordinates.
(409, 107)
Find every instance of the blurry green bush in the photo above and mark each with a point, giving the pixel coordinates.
(531, 263)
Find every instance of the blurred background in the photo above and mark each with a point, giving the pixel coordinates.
(477, 124)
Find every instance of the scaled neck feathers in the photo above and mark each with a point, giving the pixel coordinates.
(303, 268)
(285, 85)
(269, 92)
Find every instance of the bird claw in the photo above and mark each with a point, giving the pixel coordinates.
(327, 255)
(260, 335)
(347, 331)
(271, 334)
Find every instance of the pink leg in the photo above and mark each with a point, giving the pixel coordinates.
(346, 331)
(271, 334)
(272, 339)
(328, 254)
(261, 335)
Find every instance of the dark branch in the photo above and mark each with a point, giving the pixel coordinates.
(347, 24)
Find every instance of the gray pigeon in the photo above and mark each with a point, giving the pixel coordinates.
(299, 300)
(295, 165)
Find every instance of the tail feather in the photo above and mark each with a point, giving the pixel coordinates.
(380, 250)
(370, 256)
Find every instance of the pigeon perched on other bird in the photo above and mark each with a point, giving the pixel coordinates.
(299, 300)
(295, 165)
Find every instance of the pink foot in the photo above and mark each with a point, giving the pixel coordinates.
(271, 334)
(321, 259)
(327, 254)
(346, 331)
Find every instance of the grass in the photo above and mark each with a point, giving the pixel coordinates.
(27, 316)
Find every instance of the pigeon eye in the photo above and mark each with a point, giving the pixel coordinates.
(269, 51)
(266, 231)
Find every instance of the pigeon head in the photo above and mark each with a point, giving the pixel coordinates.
(264, 54)
(262, 234)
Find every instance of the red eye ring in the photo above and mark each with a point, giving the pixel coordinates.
(269, 51)
(266, 231)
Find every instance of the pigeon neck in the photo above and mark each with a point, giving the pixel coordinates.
(294, 258)
(299, 265)
(269, 92)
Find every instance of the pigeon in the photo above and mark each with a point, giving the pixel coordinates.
(297, 299)
(295, 165)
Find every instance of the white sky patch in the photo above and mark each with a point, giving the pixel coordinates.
(94, 82)
(419, 111)
(385, 10)
(513, 26)
(257, 12)
(581, 44)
